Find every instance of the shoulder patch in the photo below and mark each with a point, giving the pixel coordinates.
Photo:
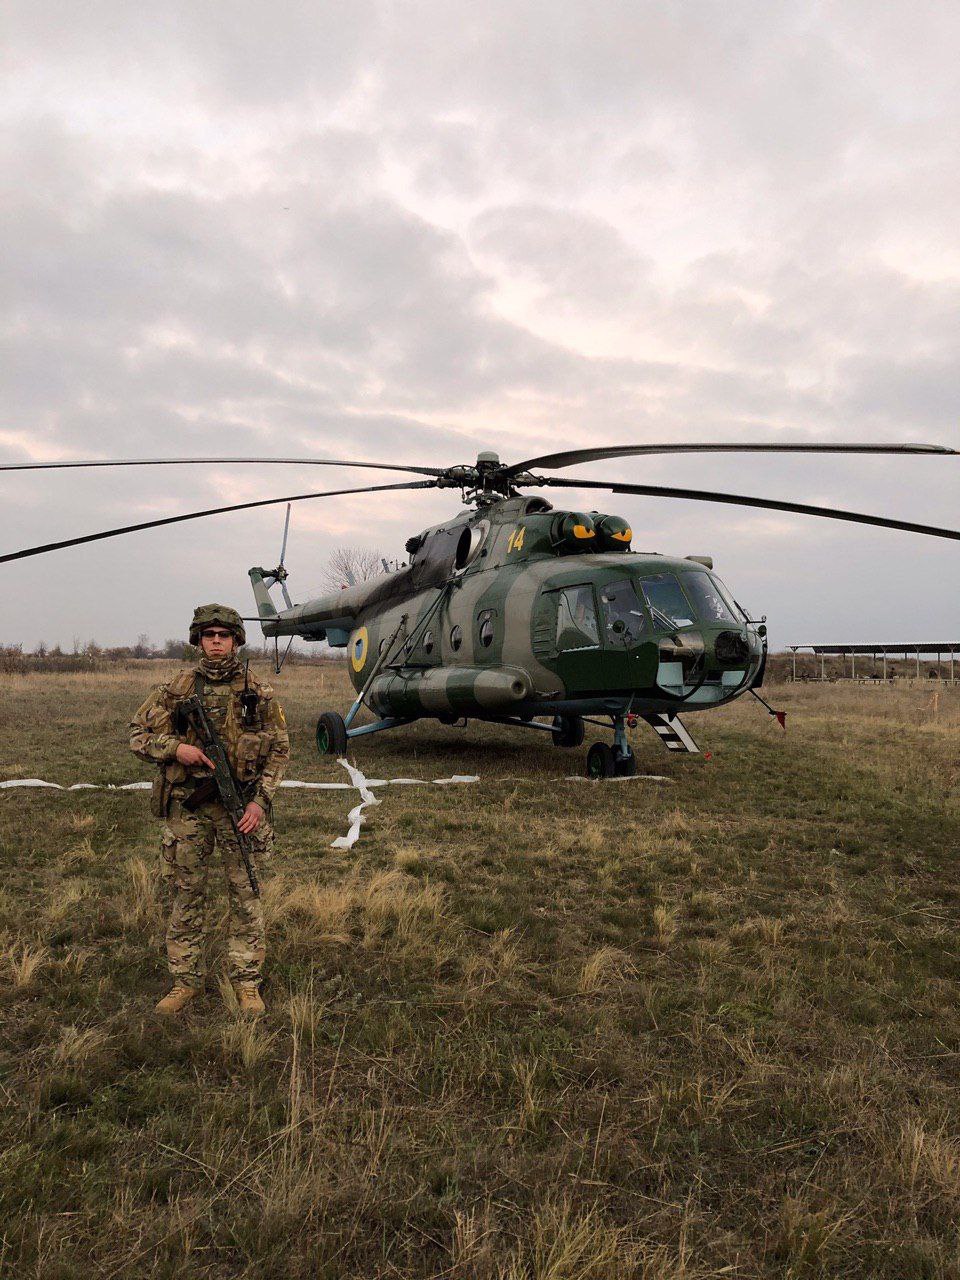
(182, 683)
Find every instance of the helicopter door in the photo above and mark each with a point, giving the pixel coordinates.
(631, 657)
(576, 639)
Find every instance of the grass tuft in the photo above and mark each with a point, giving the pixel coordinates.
(26, 962)
(570, 1243)
(602, 969)
(664, 925)
(80, 1045)
(246, 1044)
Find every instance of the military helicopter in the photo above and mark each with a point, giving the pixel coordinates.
(518, 614)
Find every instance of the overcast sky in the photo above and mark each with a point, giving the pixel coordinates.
(409, 231)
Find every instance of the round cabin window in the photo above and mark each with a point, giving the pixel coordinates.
(456, 637)
(428, 642)
(485, 631)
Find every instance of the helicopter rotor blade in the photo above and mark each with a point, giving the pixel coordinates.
(765, 504)
(196, 462)
(571, 457)
(283, 552)
(286, 530)
(210, 511)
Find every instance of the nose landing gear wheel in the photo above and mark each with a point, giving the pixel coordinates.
(331, 734)
(568, 731)
(624, 763)
(600, 761)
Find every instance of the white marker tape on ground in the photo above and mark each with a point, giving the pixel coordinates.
(637, 777)
(320, 786)
(77, 786)
(358, 782)
(355, 816)
(309, 786)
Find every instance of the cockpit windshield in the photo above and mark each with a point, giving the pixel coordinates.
(710, 598)
(669, 606)
(700, 598)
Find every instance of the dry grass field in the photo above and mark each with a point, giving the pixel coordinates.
(525, 1028)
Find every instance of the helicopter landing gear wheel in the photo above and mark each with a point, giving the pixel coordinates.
(568, 731)
(331, 734)
(600, 761)
(624, 763)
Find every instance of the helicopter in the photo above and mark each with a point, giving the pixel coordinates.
(519, 614)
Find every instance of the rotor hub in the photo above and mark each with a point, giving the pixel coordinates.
(488, 480)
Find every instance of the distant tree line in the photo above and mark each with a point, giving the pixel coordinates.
(346, 566)
(91, 656)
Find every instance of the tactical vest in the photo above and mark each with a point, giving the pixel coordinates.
(239, 715)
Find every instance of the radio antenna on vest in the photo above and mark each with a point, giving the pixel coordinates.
(248, 700)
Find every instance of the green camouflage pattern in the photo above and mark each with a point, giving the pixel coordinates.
(258, 754)
(189, 840)
(490, 600)
(263, 845)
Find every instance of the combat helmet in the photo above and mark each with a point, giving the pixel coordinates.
(209, 615)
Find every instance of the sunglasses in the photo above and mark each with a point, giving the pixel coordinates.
(216, 635)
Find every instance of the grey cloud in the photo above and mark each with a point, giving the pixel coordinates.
(573, 257)
(244, 52)
(923, 393)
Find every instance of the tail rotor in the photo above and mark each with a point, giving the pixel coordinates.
(279, 574)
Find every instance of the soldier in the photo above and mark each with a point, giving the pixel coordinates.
(251, 723)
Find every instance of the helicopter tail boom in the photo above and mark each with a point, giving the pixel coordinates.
(261, 594)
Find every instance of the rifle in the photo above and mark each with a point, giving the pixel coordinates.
(222, 782)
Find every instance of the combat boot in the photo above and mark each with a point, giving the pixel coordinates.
(176, 999)
(249, 1001)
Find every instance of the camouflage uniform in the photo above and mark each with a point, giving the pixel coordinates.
(258, 749)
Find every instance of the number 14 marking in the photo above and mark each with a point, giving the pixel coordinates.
(516, 539)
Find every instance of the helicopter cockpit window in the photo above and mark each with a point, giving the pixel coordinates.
(576, 619)
(669, 606)
(709, 597)
(623, 617)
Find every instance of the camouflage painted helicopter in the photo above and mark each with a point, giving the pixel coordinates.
(516, 613)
